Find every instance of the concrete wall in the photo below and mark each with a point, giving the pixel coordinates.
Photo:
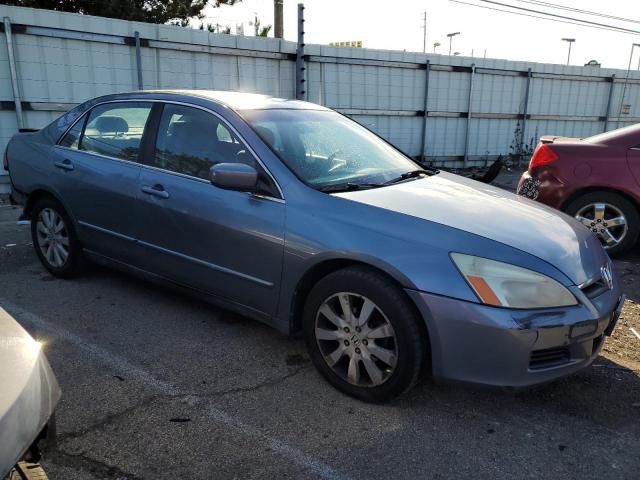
(63, 59)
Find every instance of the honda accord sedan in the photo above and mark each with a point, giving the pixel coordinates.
(595, 179)
(299, 217)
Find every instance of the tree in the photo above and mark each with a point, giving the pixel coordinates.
(264, 31)
(260, 31)
(152, 11)
(217, 28)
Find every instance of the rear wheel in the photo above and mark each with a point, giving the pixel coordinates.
(55, 240)
(363, 335)
(610, 216)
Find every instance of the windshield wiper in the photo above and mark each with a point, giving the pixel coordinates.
(412, 174)
(347, 187)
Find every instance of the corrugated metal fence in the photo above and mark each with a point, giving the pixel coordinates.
(448, 110)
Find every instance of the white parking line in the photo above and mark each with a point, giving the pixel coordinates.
(296, 456)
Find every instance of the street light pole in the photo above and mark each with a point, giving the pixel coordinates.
(436, 45)
(424, 27)
(570, 41)
(451, 35)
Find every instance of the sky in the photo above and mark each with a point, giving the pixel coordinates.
(397, 25)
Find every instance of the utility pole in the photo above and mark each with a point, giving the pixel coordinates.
(451, 35)
(569, 41)
(424, 27)
(626, 80)
(278, 23)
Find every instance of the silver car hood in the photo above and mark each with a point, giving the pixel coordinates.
(29, 391)
(495, 214)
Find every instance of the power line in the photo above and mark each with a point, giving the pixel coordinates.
(588, 22)
(578, 10)
(535, 16)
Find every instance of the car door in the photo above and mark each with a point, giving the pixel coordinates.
(97, 174)
(224, 242)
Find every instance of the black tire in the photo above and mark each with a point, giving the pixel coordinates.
(411, 342)
(628, 209)
(75, 262)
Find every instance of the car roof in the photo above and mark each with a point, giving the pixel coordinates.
(241, 100)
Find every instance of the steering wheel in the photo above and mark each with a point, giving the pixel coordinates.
(338, 164)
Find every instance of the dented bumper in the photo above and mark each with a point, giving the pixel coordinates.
(480, 344)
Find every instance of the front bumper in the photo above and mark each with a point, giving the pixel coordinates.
(480, 344)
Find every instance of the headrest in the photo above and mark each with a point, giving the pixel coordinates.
(112, 124)
(266, 134)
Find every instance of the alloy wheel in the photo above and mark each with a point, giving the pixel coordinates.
(53, 238)
(606, 221)
(356, 339)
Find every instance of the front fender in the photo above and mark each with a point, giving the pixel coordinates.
(413, 251)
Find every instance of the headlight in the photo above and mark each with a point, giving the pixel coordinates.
(505, 285)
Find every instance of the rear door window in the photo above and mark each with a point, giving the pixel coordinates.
(116, 129)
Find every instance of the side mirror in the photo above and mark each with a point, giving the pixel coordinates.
(234, 176)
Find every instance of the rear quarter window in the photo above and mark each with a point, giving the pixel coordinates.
(72, 138)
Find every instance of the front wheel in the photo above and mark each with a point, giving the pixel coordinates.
(610, 216)
(363, 335)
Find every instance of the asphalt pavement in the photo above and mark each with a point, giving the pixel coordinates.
(159, 385)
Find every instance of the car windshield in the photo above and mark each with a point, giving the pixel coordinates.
(327, 150)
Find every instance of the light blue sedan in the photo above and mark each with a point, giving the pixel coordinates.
(297, 216)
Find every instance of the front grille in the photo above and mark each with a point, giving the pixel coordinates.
(594, 289)
(550, 357)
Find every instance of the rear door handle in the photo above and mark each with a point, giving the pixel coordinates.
(64, 164)
(157, 190)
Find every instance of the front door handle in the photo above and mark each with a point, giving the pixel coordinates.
(64, 164)
(157, 190)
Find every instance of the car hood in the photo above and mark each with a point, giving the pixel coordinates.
(495, 214)
(29, 391)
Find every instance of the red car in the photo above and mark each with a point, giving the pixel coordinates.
(594, 179)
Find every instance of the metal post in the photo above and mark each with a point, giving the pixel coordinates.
(138, 60)
(524, 114)
(14, 73)
(300, 68)
(424, 123)
(466, 136)
(608, 114)
(322, 90)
